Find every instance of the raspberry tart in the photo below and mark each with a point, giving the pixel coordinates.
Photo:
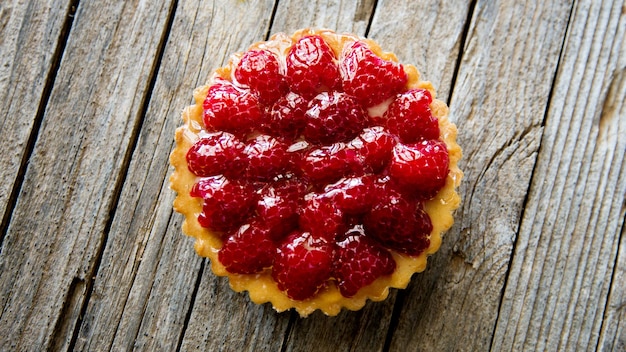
(316, 172)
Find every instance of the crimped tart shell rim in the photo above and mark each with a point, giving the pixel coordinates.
(261, 287)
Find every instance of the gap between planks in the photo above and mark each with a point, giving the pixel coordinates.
(117, 189)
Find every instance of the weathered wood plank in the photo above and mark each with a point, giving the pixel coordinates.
(559, 282)
(363, 330)
(613, 334)
(340, 16)
(153, 263)
(498, 101)
(30, 33)
(222, 320)
(368, 327)
(58, 227)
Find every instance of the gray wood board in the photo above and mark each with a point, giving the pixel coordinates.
(31, 40)
(560, 276)
(58, 226)
(94, 257)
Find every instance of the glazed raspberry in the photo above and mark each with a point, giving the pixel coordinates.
(353, 195)
(215, 154)
(333, 117)
(312, 67)
(321, 217)
(260, 70)
(248, 251)
(374, 145)
(409, 116)
(421, 167)
(278, 206)
(287, 117)
(229, 109)
(369, 78)
(359, 261)
(227, 204)
(266, 158)
(303, 265)
(328, 164)
(399, 224)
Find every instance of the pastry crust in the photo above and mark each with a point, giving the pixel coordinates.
(261, 287)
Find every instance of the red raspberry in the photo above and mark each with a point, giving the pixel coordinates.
(322, 218)
(260, 70)
(421, 167)
(248, 251)
(278, 207)
(359, 261)
(333, 117)
(330, 163)
(375, 146)
(287, 118)
(229, 109)
(266, 158)
(215, 154)
(227, 204)
(353, 195)
(399, 224)
(303, 265)
(312, 67)
(369, 78)
(409, 116)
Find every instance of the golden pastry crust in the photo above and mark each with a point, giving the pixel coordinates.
(261, 287)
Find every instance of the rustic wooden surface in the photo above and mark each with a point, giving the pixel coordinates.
(92, 257)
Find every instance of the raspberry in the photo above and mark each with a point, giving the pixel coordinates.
(374, 146)
(312, 67)
(278, 206)
(330, 163)
(333, 117)
(260, 70)
(399, 224)
(409, 116)
(287, 118)
(353, 195)
(420, 167)
(229, 109)
(369, 78)
(227, 204)
(322, 218)
(248, 251)
(303, 265)
(266, 158)
(215, 154)
(359, 261)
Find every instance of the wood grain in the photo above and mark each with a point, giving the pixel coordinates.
(59, 223)
(340, 16)
(560, 277)
(94, 257)
(30, 37)
(153, 262)
(613, 334)
(498, 101)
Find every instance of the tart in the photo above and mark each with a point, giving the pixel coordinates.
(316, 172)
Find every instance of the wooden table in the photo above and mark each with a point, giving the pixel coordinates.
(92, 256)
